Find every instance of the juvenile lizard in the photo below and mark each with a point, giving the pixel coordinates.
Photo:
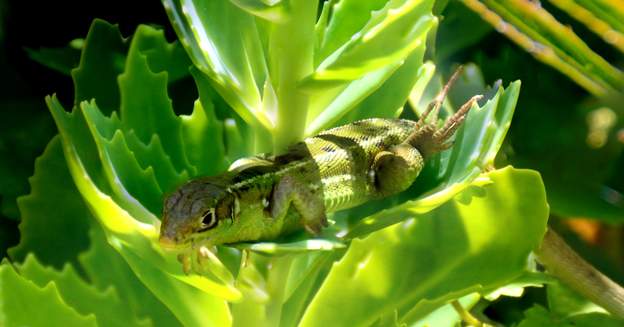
(334, 170)
(343, 167)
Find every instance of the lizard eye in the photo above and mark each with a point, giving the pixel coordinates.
(209, 220)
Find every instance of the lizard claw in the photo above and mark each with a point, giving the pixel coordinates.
(315, 226)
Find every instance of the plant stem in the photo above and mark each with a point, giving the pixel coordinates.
(292, 44)
(465, 315)
(565, 264)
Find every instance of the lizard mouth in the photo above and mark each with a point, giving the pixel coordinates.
(169, 243)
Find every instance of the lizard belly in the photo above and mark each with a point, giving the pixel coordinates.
(344, 157)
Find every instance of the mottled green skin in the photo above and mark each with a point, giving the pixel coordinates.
(342, 167)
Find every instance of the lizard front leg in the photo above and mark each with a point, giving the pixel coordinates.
(310, 206)
(396, 169)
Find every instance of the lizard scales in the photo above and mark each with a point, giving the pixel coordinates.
(340, 168)
(344, 156)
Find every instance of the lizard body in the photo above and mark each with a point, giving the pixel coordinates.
(334, 167)
(268, 196)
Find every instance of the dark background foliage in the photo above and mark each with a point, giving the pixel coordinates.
(26, 125)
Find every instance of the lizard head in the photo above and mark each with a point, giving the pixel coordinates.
(196, 211)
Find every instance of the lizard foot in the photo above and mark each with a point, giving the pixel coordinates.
(203, 260)
(427, 137)
(185, 259)
(314, 225)
(291, 191)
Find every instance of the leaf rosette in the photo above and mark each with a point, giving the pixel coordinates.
(396, 260)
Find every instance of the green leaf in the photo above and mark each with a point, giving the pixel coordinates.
(236, 66)
(538, 316)
(475, 146)
(145, 107)
(200, 126)
(565, 302)
(26, 304)
(374, 80)
(47, 213)
(24, 133)
(560, 157)
(446, 315)
(102, 60)
(467, 238)
(268, 9)
(62, 60)
(136, 242)
(121, 166)
(101, 257)
(330, 106)
(54, 224)
(551, 42)
(160, 54)
(284, 248)
(601, 17)
(389, 98)
(401, 23)
(106, 305)
(459, 30)
(347, 18)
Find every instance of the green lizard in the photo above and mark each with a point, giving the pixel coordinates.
(337, 169)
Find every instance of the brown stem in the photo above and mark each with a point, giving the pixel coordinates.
(565, 264)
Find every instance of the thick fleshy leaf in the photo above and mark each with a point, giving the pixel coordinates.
(447, 316)
(330, 106)
(236, 66)
(386, 82)
(475, 146)
(24, 133)
(268, 9)
(548, 40)
(200, 126)
(414, 261)
(347, 18)
(565, 302)
(401, 23)
(106, 306)
(43, 222)
(121, 167)
(62, 60)
(94, 161)
(135, 241)
(102, 257)
(381, 93)
(388, 100)
(44, 219)
(102, 60)
(161, 55)
(145, 107)
(26, 304)
(538, 316)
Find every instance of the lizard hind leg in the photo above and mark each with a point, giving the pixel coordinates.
(396, 169)
(309, 205)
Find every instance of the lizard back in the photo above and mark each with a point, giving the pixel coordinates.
(344, 156)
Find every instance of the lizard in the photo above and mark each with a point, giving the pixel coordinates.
(268, 196)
